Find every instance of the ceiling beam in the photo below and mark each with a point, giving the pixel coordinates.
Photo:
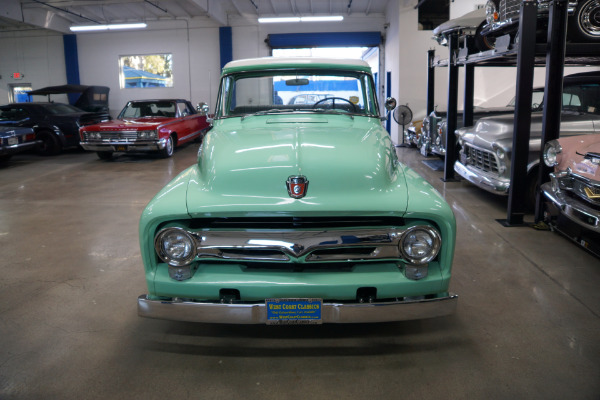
(39, 17)
(213, 9)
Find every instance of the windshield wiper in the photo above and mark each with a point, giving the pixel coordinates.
(267, 112)
(334, 112)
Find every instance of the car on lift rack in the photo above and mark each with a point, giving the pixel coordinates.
(572, 196)
(486, 148)
(466, 26)
(297, 214)
(433, 130)
(583, 25)
(435, 126)
(56, 125)
(15, 140)
(147, 126)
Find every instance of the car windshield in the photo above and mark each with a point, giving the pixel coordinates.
(578, 98)
(343, 92)
(59, 108)
(139, 109)
(537, 98)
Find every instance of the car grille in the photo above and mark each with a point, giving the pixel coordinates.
(509, 9)
(121, 135)
(481, 159)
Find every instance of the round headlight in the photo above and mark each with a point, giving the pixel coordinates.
(420, 244)
(551, 151)
(146, 135)
(491, 14)
(175, 246)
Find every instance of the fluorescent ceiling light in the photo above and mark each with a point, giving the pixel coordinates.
(90, 28)
(321, 19)
(301, 19)
(274, 20)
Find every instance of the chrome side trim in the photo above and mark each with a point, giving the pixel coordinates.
(331, 313)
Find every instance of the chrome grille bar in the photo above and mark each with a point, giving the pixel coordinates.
(307, 246)
(482, 159)
(509, 9)
(115, 135)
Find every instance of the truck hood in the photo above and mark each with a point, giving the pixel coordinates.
(350, 165)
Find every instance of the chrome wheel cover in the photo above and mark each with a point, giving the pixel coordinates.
(170, 145)
(589, 18)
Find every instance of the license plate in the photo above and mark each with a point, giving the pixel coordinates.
(120, 148)
(12, 141)
(294, 311)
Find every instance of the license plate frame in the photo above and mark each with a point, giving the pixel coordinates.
(294, 311)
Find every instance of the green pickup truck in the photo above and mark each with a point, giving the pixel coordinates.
(297, 213)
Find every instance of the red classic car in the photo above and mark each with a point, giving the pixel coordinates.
(146, 126)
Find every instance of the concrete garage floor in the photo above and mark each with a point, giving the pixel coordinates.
(527, 325)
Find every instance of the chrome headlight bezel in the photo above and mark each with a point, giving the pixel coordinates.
(167, 256)
(491, 13)
(552, 149)
(433, 241)
(146, 135)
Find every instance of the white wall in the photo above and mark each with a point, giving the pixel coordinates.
(196, 62)
(249, 37)
(38, 55)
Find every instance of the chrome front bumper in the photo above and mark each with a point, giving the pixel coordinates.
(491, 184)
(123, 146)
(17, 148)
(331, 313)
(576, 211)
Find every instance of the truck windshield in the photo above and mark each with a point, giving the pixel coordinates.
(302, 91)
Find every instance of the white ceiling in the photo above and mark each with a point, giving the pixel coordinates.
(59, 15)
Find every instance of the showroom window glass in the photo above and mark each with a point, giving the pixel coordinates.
(146, 71)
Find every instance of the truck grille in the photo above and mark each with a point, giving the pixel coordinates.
(509, 9)
(481, 159)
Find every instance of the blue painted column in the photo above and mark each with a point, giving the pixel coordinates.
(388, 93)
(71, 64)
(225, 44)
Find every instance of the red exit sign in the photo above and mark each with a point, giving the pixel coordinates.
(17, 75)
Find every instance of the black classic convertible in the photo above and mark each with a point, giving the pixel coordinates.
(56, 125)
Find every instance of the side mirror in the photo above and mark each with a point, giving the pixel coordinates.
(390, 103)
(203, 108)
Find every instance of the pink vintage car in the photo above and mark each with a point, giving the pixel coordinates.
(573, 194)
(146, 126)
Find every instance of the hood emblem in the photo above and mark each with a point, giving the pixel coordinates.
(592, 193)
(297, 186)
